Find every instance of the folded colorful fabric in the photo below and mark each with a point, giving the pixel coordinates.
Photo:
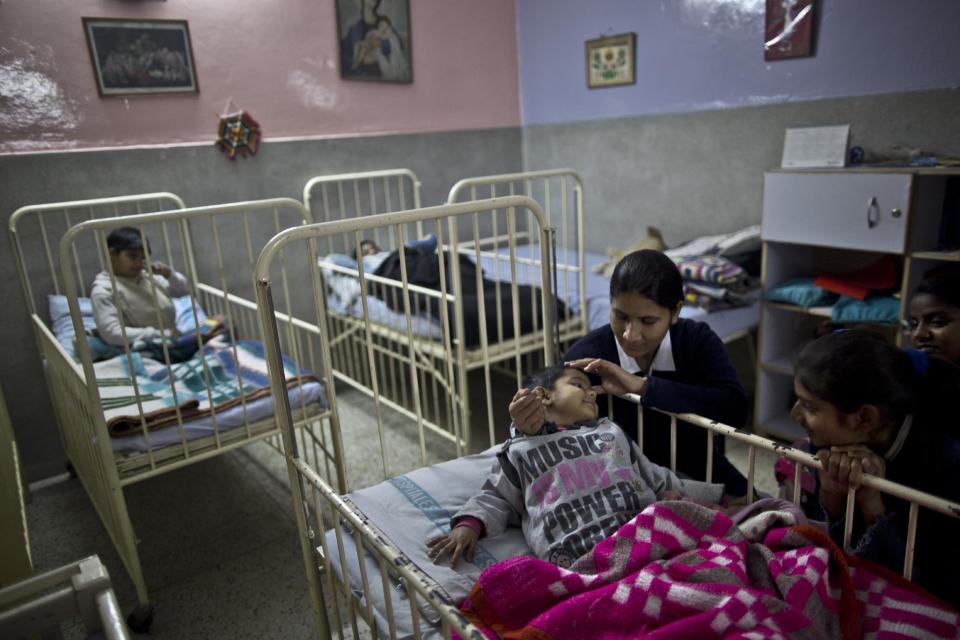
(877, 276)
(711, 269)
(801, 292)
(684, 570)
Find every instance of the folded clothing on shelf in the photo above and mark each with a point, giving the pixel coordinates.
(878, 276)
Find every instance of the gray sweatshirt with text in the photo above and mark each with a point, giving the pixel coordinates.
(571, 488)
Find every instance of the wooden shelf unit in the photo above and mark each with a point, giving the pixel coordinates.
(817, 221)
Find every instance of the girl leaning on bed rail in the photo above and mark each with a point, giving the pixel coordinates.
(869, 407)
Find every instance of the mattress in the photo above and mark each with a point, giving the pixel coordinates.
(410, 509)
(231, 418)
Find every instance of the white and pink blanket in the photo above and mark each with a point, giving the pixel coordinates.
(682, 570)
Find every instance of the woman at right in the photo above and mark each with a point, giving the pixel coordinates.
(869, 407)
(934, 321)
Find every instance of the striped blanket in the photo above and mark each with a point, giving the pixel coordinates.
(681, 570)
(139, 386)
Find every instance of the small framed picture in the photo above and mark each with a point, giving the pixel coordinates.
(789, 29)
(140, 57)
(612, 61)
(375, 42)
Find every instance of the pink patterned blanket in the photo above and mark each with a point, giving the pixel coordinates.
(681, 570)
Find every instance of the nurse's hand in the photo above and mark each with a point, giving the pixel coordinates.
(527, 412)
(613, 379)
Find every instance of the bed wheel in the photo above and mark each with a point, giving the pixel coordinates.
(140, 619)
(71, 470)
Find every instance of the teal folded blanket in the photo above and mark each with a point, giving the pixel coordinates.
(876, 309)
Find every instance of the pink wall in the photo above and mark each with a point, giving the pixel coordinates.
(276, 59)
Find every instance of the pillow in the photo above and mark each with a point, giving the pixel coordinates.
(62, 324)
(342, 289)
(877, 309)
(800, 292)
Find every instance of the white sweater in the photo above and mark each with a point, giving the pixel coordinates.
(138, 305)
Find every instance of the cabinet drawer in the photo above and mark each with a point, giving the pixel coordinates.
(850, 211)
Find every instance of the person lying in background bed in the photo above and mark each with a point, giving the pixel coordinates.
(869, 407)
(934, 320)
(477, 292)
(570, 483)
(676, 364)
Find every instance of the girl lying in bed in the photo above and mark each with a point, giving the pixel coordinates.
(572, 483)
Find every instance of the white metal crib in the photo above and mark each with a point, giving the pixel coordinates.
(215, 247)
(446, 374)
(357, 574)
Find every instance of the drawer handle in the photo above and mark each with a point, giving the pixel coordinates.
(873, 213)
(896, 213)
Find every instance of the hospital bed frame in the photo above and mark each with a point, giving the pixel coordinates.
(83, 225)
(338, 607)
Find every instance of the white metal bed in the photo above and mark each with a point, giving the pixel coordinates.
(486, 346)
(219, 271)
(357, 573)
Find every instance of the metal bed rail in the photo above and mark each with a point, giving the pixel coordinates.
(401, 583)
(560, 193)
(78, 590)
(803, 459)
(308, 489)
(232, 236)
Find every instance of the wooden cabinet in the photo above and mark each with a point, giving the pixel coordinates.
(838, 221)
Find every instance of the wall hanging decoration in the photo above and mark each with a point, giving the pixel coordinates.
(789, 29)
(611, 61)
(375, 42)
(238, 134)
(138, 57)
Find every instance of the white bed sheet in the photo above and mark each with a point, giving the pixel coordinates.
(202, 426)
(411, 508)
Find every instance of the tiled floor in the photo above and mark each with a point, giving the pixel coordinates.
(217, 539)
(217, 545)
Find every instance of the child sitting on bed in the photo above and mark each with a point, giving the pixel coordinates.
(569, 485)
(141, 301)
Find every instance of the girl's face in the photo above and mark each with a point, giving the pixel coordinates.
(572, 399)
(824, 423)
(935, 327)
(639, 323)
(128, 262)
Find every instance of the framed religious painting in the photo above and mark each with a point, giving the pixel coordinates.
(789, 29)
(611, 61)
(140, 57)
(375, 42)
